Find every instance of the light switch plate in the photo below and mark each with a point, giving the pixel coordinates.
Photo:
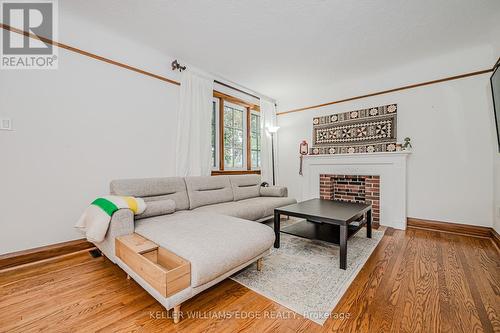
(6, 124)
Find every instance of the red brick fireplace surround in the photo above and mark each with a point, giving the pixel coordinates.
(352, 188)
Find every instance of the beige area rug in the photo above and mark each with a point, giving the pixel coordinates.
(304, 275)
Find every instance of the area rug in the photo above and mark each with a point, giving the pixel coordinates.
(304, 275)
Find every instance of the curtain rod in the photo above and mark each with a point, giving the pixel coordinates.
(177, 66)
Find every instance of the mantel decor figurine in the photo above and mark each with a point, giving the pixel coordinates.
(407, 144)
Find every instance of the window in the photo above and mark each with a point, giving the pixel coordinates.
(255, 139)
(235, 139)
(215, 137)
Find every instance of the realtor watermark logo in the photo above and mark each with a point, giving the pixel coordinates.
(27, 44)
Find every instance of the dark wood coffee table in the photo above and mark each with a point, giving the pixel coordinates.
(329, 220)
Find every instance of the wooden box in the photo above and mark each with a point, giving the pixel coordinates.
(163, 270)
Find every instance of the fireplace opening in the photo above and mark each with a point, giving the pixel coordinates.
(353, 188)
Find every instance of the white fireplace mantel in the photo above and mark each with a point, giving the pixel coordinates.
(390, 166)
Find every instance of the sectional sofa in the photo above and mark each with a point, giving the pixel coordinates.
(211, 222)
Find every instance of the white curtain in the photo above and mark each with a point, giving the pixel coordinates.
(193, 149)
(268, 119)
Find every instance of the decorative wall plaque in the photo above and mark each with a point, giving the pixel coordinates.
(360, 131)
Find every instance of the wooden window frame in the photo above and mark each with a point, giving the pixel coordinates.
(244, 128)
(217, 137)
(249, 134)
(224, 98)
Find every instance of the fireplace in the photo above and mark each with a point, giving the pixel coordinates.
(389, 167)
(352, 188)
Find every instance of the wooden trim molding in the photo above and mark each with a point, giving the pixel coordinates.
(223, 98)
(41, 253)
(495, 237)
(411, 86)
(87, 54)
(235, 100)
(253, 106)
(454, 228)
(235, 172)
(497, 64)
(221, 134)
(249, 143)
(122, 65)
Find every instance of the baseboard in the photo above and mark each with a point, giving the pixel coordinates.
(24, 257)
(495, 237)
(13, 259)
(454, 228)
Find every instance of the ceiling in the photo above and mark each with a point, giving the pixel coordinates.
(279, 46)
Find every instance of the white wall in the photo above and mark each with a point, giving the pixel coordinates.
(78, 127)
(88, 122)
(496, 153)
(454, 63)
(496, 206)
(75, 129)
(496, 170)
(450, 173)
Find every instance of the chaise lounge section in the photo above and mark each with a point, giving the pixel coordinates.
(212, 222)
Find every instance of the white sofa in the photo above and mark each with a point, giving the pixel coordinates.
(213, 223)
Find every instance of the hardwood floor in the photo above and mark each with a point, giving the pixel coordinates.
(415, 281)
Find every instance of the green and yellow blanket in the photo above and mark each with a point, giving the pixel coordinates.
(95, 220)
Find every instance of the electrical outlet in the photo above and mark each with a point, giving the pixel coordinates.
(6, 124)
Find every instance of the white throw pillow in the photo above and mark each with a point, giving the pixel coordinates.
(157, 208)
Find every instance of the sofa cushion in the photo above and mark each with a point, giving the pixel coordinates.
(274, 191)
(232, 209)
(208, 190)
(156, 208)
(213, 243)
(266, 205)
(250, 209)
(245, 186)
(152, 189)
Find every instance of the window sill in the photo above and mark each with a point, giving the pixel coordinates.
(234, 172)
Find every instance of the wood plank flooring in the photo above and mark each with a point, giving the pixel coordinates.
(415, 281)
